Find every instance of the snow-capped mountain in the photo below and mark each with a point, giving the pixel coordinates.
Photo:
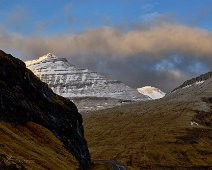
(152, 92)
(69, 81)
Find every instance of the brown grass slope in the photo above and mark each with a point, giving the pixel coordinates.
(156, 134)
(32, 146)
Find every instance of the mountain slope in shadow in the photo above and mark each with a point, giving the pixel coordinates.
(24, 98)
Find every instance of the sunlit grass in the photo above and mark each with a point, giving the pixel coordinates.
(34, 146)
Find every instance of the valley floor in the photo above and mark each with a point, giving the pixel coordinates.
(159, 134)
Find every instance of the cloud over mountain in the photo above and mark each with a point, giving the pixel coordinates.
(142, 56)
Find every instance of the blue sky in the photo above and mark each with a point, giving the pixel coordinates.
(140, 42)
(56, 16)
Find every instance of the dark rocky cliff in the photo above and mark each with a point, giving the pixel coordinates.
(23, 97)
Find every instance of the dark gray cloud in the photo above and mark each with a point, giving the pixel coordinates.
(163, 54)
(137, 71)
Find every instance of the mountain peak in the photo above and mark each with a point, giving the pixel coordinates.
(50, 55)
(39, 59)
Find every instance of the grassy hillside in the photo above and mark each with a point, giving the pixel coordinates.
(33, 147)
(154, 134)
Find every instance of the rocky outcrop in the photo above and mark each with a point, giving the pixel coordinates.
(23, 98)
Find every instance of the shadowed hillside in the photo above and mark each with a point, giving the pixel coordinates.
(24, 98)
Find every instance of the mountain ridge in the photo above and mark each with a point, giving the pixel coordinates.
(201, 78)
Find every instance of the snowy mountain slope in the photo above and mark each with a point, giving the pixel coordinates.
(197, 81)
(69, 81)
(198, 86)
(152, 92)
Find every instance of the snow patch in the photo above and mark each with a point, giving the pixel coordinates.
(199, 82)
(194, 123)
(196, 83)
(190, 85)
(152, 92)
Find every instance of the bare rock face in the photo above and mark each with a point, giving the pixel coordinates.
(68, 81)
(23, 97)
